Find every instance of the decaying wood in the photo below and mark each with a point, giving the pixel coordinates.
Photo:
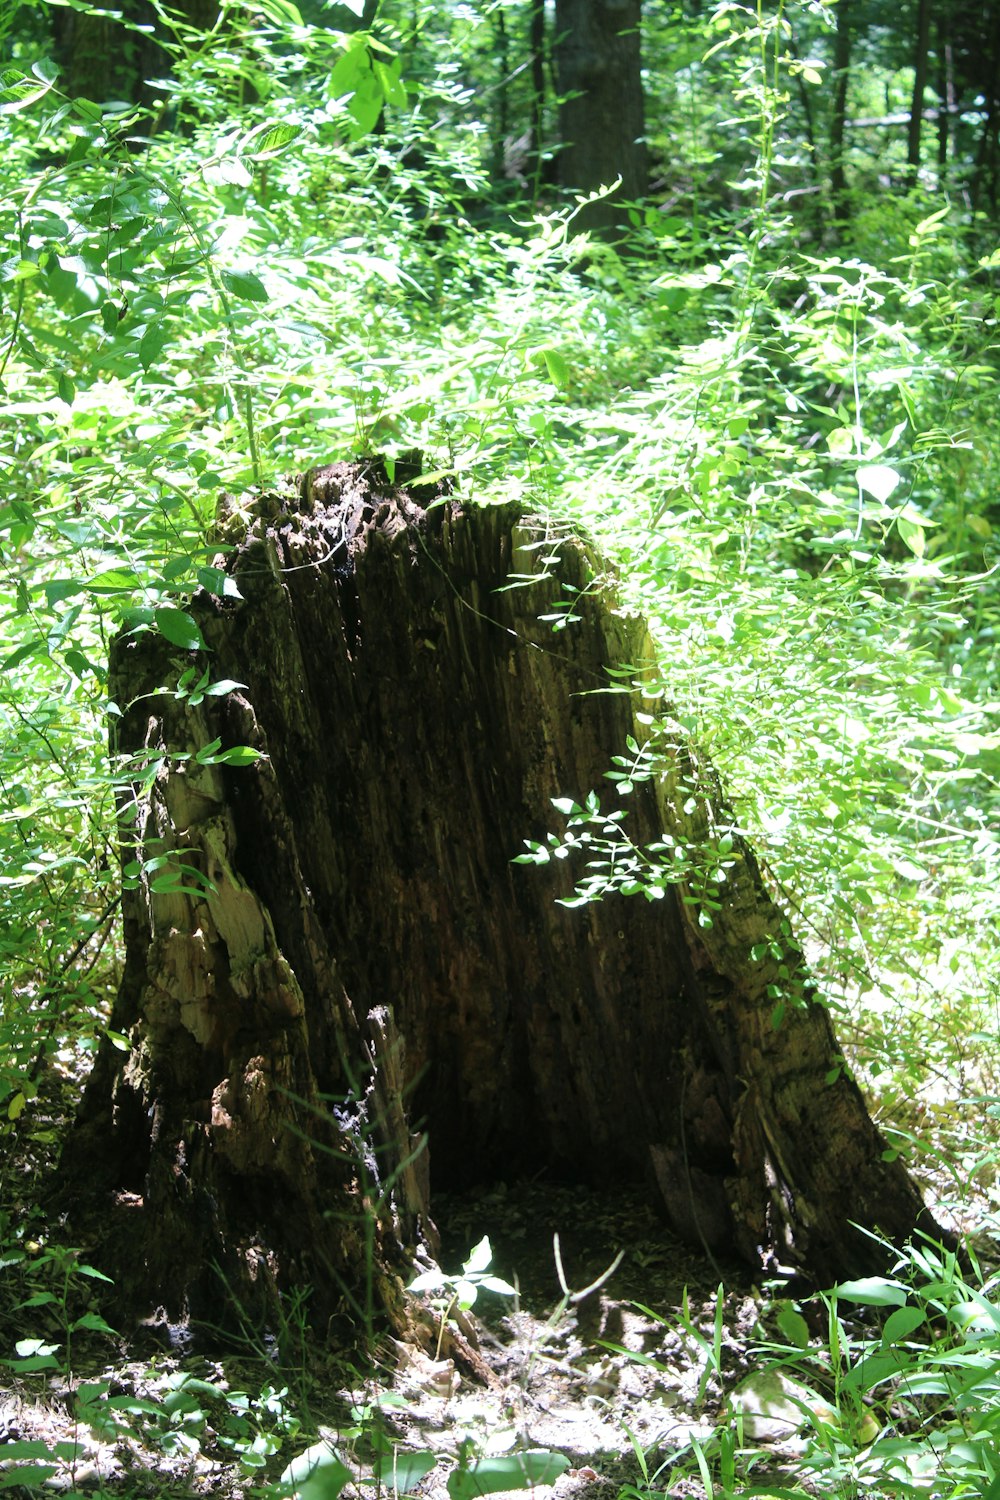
(371, 973)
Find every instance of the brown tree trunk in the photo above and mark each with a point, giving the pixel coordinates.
(921, 45)
(333, 942)
(986, 174)
(536, 43)
(838, 120)
(598, 60)
(945, 88)
(115, 54)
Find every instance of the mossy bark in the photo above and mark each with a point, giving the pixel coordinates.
(370, 970)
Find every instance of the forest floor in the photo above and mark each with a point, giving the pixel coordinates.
(596, 1380)
(626, 1382)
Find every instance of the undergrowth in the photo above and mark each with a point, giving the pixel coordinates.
(789, 453)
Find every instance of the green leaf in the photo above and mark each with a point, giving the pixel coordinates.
(18, 91)
(94, 1274)
(403, 1468)
(317, 1474)
(498, 1285)
(393, 88)
(60, 589)
(900, 1324)
(793, 1326)
(268, 141)
(555, 365)
(239, 755)
(21, 654)
(873, 1291)
(24, 1448)
(479, 1257)
(227, 171)
(911, 525)
(244, 285)
(152, 344)
(931, 223)
(509, 1471)
(349, 71)
(217, 581)
(428, 1281)
(281, 11)
(177, 626)
(365, 107)
(31, 1348)
(94, 1323)
(878, 480)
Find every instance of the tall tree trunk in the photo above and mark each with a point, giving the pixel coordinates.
(333, 942)
(945, 88)
(986, 174)
(838, 119)
(598, 58)
(115, 53)
(921, 46)
(538, 94)
(501, 128)
(815, 155)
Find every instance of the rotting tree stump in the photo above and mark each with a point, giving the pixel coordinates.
(371, 972)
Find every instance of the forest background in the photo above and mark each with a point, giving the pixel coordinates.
(240, 241)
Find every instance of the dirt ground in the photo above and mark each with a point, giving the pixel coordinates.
(601, 1379)
(625, 1380)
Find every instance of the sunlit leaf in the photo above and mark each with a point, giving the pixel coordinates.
(317, 1474)
(878, 480)
(244, 285)
(872, 1291)
(177, 626)
(509, 1471)
(403, 1468)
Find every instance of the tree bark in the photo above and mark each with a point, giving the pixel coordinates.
(108, 54)
(536, 43)
(838, 120)
(921, 46)
(598, 60)
(945, 88)
(986, 173)
(332, 959)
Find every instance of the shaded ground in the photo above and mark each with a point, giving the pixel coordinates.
(101, 1417)
(590, 1377)
(627, 1381)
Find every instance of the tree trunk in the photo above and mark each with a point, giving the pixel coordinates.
(986, 173)
(945, 89)
(333, 942)
(114, 54)
(922, 43)
(598, 63)
(838, 120)
(536, 42)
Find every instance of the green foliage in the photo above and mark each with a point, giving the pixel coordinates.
(462, 1289)
(909, 1401)
(785, 433)
(897, 1393)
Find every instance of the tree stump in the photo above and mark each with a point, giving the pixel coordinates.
(340, 987)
